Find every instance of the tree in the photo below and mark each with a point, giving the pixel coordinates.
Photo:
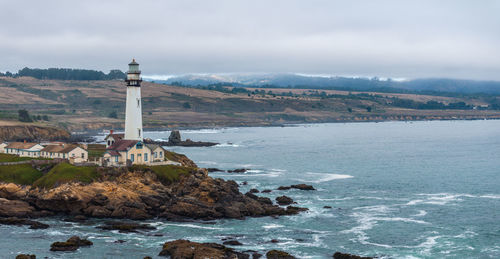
(369, 109)
(186, 105)
(24, 116)
(349, 109)
(113, 115)
(45, 118)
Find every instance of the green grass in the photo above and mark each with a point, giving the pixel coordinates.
(64, 172)
(166, 173)
(96, 150)
(23, 174)
(12, 158)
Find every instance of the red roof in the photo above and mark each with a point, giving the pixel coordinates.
(116, 136)
(122, 145)
(113, 153)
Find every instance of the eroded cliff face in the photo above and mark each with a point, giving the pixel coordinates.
(31, 133)
(140, 195)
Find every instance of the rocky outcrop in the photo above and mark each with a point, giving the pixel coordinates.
(125, 227)
(25, 256)
(284, 200)
(72, 244)
(32, 133)
(187, 249)
(20, 222)
(304, 187)
(141, 195)
(339, 255)
(277, 254)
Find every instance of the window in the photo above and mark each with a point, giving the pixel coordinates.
(116, 159)
(138, 103)
(161, 154)
(145, 157)
(156, 154)
(83, 155)
(139, 131)
(109, 142)
(64, 155)
(132, 157)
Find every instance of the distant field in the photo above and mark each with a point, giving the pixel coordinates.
(79, 105)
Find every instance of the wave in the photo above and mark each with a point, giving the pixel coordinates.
(420, 213)
(323, 177)
(227, 145)
(195, 226)
(271, 226)
(490, 196)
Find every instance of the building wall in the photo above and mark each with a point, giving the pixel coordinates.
(133, 114)
(78, 155)
(158, 154)
(2, 147)
(139, 155)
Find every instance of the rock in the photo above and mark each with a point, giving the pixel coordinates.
(187, 249)
(125, 227)
(276, 254)
(291, 210)
(15, 208)
(175, 140)
(148, 257)
(232, 243)
(72, 244)
(119, 241)
(284, 200)
(175, 137)
(211, 170)
(339, 255)
(266, 191)
(19, 222)
(256, 255)
(274, 241)
(77, 218)
(327, 207)
(254, 191)
(244, 183)
(240, 170)
(302, 186)
(25, 256)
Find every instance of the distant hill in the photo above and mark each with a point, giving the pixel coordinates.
(338, 83)
(67, 74)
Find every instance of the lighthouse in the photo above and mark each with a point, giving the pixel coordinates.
(133, 112)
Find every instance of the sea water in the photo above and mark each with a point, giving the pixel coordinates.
(397, 190)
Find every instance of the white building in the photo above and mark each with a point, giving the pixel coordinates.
(73, 153)
(24, 149)
(133, 112)
(2, 147)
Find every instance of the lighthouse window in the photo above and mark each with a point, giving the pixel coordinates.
(139, 131)
(138, 103)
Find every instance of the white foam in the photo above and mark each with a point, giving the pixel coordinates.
(271, 226)
(202, 131)
(491, 196)
(227, 145)
(323, 177)
(194, 226)
(420, 213)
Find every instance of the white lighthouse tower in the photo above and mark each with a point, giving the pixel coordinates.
(133, 112)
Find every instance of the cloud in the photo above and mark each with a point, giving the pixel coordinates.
(367, 38)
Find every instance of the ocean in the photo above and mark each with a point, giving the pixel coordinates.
(428, 189)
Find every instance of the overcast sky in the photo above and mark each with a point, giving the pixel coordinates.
(400, 39)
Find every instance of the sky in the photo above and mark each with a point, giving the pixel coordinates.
(392, 38)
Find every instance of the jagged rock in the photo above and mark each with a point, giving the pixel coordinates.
(19, 222)
(72, 244)
(187, 249)
(15, 208)
(339, 255)
(266, 191)
(175, 137)
(125, 227)
(302, 186)
(232, 243)
(25, 256)
(277, 254)
(291, 210)
(254, 191)
(244, 183)
(327, 207)
(284, 200)
(275, 241)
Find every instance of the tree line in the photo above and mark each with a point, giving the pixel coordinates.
(67, 74)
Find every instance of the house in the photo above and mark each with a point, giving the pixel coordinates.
(135, 151)
(24, 149)
(74, 153)
(2, 147)
(112, 138)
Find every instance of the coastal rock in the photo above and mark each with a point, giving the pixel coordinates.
(32, 133)
(212, 170)
(175, 140)
(72, 244)
(327, 207)
(266, 191)
(187, 249)
(339, 255)
(232, 243)
(277, 254)
(125, 227)
(20, 222)
(304, 187)
(253, 191)
(15, 208)
(25, 256)
(284, 200)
